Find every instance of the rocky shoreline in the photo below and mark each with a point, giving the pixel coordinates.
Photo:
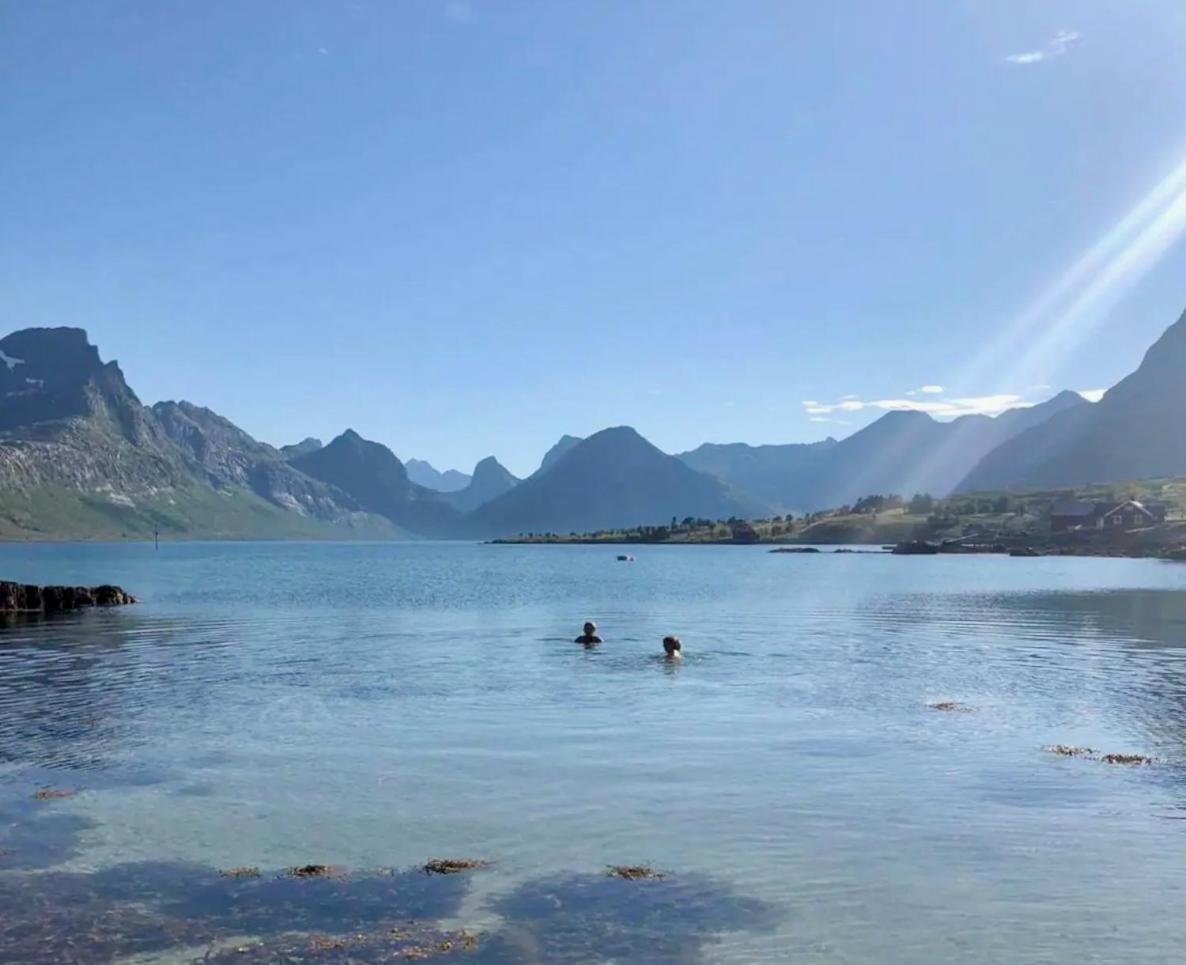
(31, 598)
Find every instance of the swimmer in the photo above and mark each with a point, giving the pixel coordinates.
(672, 648)
(589, 637)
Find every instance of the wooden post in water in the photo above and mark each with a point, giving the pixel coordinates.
(156, 539)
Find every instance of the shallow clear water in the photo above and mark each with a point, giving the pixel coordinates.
(375, 705)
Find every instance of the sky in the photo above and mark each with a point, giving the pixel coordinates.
(467, 227)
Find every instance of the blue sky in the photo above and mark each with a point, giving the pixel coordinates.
(467, 227)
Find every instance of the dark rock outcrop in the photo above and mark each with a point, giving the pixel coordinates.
(30, 598)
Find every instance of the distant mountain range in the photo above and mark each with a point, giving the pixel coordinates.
(490, 480)
(81, 456)
(427, 475)
(902, 452)
(370, 474)
(610, 479)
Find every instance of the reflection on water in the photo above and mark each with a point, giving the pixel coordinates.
(272, 705)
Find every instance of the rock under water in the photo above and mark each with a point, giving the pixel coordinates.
(30, 598)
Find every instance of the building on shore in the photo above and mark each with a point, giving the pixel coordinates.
(1067, 515)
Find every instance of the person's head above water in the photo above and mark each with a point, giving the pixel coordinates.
(590, 634)
(672, 647)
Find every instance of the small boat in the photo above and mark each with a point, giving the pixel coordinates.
(623, 558)
(1024, 551)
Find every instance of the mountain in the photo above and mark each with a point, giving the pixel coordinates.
(425, 474)
(776, 474)
(614, 478)
(490, 480)
(553, 455)
(81, 456)
(1136, 431)
(300, 448)
(371, 474)
(902, 452)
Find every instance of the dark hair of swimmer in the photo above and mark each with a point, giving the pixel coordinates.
(672, 646)
(590, 634)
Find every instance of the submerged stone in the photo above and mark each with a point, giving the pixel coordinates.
(53, 794)
(148, 907)
(412, 941)
(1066, 750)
(59, 917)
(600, 918)
(952, 706)
(241, 872)
(35, 836)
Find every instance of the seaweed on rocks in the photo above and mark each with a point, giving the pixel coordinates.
(1126, 759)
(314, 871)
(633, 872)
(1088, 753)
(452, 866)
(412, 941)
(53, 793)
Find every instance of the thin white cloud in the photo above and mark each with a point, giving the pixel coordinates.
(931, 389)
(1059, 44)
(1092, 395)
(943, 409)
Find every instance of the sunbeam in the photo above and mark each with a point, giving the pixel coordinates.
(1071, 308)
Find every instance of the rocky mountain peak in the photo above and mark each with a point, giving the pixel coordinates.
(48, 375)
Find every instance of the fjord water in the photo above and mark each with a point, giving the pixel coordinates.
(375, 705)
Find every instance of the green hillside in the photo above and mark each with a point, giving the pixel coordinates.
(184, 513)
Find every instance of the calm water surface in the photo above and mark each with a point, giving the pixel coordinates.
(372, 706)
